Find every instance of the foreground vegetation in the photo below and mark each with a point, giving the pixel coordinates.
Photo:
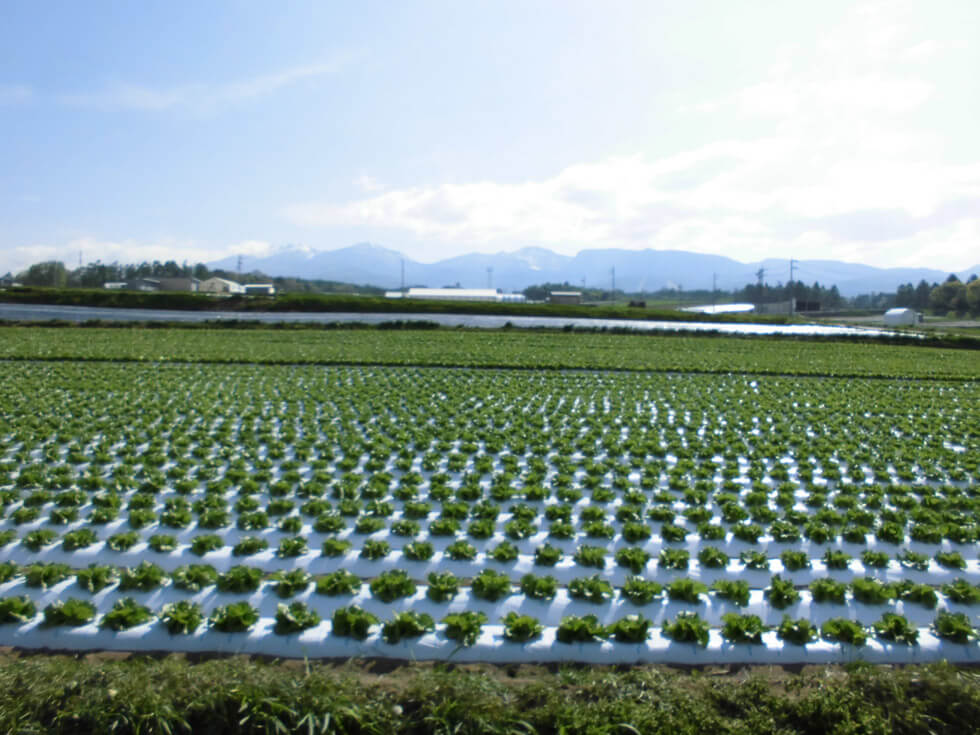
(61, 694)
(494, 348)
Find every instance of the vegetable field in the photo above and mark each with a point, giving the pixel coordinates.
(488, 514)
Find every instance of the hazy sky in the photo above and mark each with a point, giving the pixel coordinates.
(195, 130)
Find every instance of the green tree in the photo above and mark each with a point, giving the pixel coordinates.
(949, 296)
(973, 296)
(49, 273)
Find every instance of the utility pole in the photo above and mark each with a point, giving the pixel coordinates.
(403, 275)
(614, 278)
(714, 289)
(760, 274)
(490, 277)
(792, 300)
(239, 267)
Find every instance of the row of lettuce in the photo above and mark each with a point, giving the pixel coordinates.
(186, 617)
(396, 584)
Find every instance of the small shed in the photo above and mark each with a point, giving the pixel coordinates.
(260, 289)
(902, 317)
(565, 297)
(179, 284)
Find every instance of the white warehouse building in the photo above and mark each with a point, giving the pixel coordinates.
(457, 294)
(902, 317)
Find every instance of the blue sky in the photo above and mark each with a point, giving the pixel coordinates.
(193, 131)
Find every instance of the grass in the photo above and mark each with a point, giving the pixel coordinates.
(61, 694)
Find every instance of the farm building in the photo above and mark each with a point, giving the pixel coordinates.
(456, 294)
(179, 284)
(902, 317)
(260, 289)
(565, 297)
(721, 309)
(220, 285)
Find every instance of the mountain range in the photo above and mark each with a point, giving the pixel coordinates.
(633, 270)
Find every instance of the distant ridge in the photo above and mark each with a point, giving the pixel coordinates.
(635, 270)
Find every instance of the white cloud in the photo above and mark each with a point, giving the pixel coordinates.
(823, 156)
(752, 200)
(199, 97)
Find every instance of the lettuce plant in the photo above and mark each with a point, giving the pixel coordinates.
(590, 556)
(236, 617)
(407, 624)
(521, 628)
(800, 631)
(123, 541)
(125, 613)
(38, 539)
(539, 588)
(291, 582)
(742, 628)
(504, 552)
(392, 585)
(461, 551)
(490, 585)
(843, 630)
(240, 579)
(781, 593)
(162, 543)
(827, 589)
(294, 618)
(374, 549)
(337, 583)
(687, 627)
(547, 555)
(73, 612)
(78, 539)
(442, 586)
(584, 629)
(734, 590)
(686, 590)
(674, 558)
(794, 560)
(418, 550)
(333, 547)
(593, 589)
(249, 545)
(641, 591)
(961, 591)
(464, 627)
(95, 577)
(16, 609)
(896, 628)
(955, 627)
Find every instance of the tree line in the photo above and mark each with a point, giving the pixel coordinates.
(756, 293)
(942, 298)
(951, 296)
(96, 274)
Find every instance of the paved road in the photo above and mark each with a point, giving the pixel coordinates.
(29, 312)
